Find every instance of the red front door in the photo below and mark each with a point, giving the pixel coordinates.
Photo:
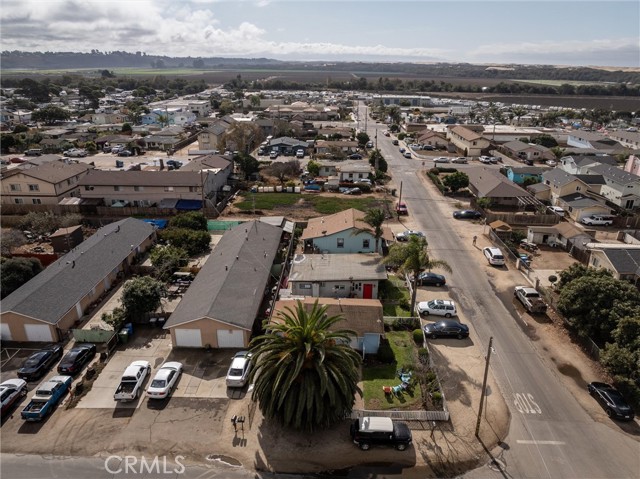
(367, 291)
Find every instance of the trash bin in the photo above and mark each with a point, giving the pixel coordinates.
(123, 336)
(119, 164)
(393, 192)
(129, 328)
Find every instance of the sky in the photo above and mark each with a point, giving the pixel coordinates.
(576, 32)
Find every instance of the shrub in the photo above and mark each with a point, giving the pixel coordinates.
(436, 397)
(434, 171)
(418, 337)
(629, 389)
(436, 181)
(423, 355)
(192, 241)
(385, 353)
(193, 220)
(364, 187)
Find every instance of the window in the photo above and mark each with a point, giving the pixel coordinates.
(304, 286)
(340, 243)
(578, 188)
(168, 188)
(117, 188)
(193, 189)
(18, 201)
(36, 201)
(34, 187)
(474, 143)
(339, 287)
(365, 243)
(15, 188)
(138, 188)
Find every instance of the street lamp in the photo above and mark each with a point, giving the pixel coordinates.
(484, 385)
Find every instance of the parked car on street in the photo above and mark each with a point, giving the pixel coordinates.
(441, 159)
(47, 396)
(165, 380)
(611, 401)
(596, 221)
(550, 163)
(446, 329)
(75, 153)
(239, 370)
(402, 150)
(485, 159)
(383, 431)
(40, 362)
(18, 160)
(405, 235)
(77, 358)
(394, 142)
(530, 299)
(353, 191)
(125, 153)
(438, 307)
(431, 279)
(11, 392)
(460, 159)
(355, 156)
(407, 154)
(273, 155)
(401, 209)
(494, 256)
(467, 214)
(556, 210)
(131, 381)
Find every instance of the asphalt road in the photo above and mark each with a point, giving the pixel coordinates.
(550, 435)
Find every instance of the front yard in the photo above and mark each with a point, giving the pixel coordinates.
(322, 204)
(395, 297)
(377, 376)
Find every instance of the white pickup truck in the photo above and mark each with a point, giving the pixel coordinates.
(597, 220)
(132, 380)
(531, 299)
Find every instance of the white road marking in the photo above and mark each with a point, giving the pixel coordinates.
(526, 404)
(551, 443)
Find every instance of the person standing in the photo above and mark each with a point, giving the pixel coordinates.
(475, 238)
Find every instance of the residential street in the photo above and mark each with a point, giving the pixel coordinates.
(551, 435)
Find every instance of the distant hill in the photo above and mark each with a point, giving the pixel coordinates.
(96, 59)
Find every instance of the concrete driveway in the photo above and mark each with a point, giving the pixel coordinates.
(203, 374)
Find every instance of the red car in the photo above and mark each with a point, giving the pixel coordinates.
(401, 209)
(18, 160)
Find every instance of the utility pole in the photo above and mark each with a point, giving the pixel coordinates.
(484, 385)
(400, 196)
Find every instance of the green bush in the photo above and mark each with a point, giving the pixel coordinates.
(192, 241)
(418, 337)
(434, 171)
(436, 397)
(364, 187)
(629, 389)
(423, 355)
(437, 182)
(385, 353)
(193, 220)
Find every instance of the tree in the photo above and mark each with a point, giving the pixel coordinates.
(375, 219)
(362, 138)
(226, 107)
(69, 220)
(141, 295)
(247, 164)
(519, 112)
(167, 259)
(17, 271)
(313, 167)
(255, 101)
(412, 259)
(578, 270)
(50, 114)
(116, 318)
(126, 129)
(20, 128)
(282, 171)
(193, 220)
(192, 241)
(242, 138)
(545, 140)
(595, 303)
(558, 152)
(11, 239)
(456, 181)
(307, 374)
(199, 63)
(40, 223)
(377, 161)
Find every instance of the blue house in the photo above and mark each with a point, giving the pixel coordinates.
(521, 173)
(342, 233)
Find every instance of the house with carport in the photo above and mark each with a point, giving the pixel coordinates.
(342, 233)
(45, 308)
(337, 275)
(220, 308)
(362, 316)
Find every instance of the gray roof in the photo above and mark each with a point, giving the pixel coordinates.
(337, 267)
(581, 160)
(517, 145)
(615, 174)
(141, 178)
(52, 293)
(528, 170)
(558, 177)
(230, 286)
(285, 140)
(205, 162)
(538, 187)
(491, 184)
(56, 171)
(625, 261)
(591, 179)
(578, 201)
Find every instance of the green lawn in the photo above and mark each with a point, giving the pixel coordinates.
(324, 205)
(328, 205)
(376, 377)
(394, 290)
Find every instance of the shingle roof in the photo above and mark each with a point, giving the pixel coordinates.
(581, 160)
(614, 173)
(625, 261)
(328, 225)
(466, 133)
(208, 161)
(577, 200)
(558, 177)
(360, 315)
(141, 178)
(56, 171)
(337, 267)
(231, 284)
(528, 170)
(490, 183)
(52, 293)
(285, 140)
(591, 179)
(538, 187)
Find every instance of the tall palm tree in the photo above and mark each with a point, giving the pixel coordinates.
(307, 374)
(375, 219)
(412, 259)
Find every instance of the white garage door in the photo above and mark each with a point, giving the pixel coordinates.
(38, 332)
(230, 338)
(5, 332)
(188, 338)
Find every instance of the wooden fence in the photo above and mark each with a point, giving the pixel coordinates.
(402, 415)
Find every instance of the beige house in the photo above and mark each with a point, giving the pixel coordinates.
(468, 142)
(46, 184)
(562, 183)
(221, 306)
(432, 138)
(621, 259)
(48, 305)
(143, 188)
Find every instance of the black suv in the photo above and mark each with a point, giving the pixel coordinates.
(368, 431)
